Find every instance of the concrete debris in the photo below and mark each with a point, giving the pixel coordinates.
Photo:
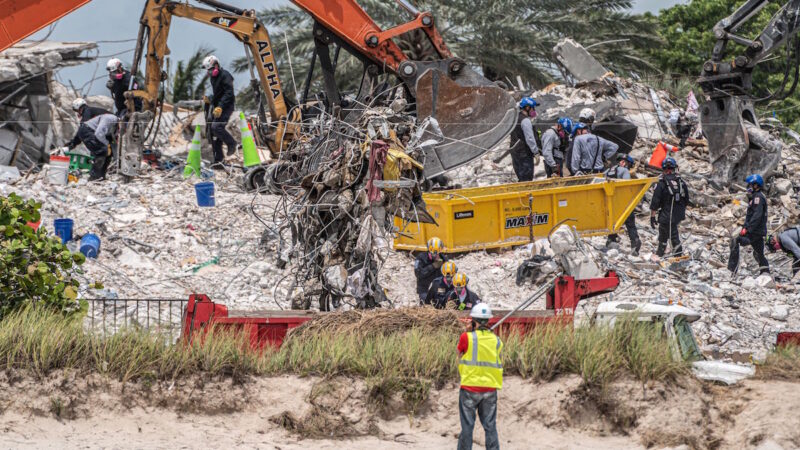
(579, 63)
(576, 259)
(34, 120)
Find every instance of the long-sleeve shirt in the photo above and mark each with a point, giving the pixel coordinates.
(551, 147)
(426, 271)
(619, 173)
(88, 113)
(790, 242)
(670, 198)
(589, 151)
(756, 220)
(224, 94)
(102, 125)
(530, 137)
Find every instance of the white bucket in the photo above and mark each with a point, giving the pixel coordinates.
(58, 170)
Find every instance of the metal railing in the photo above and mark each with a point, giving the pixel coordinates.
(109, 315)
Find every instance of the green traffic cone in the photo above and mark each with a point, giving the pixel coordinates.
(194, 157)
(249, 151)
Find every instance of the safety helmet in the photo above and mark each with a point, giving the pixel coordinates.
(587, 115)
(755, 179)
(448, 269)
(460, 280)
(566, 124)
(669, 163)
(113, 65)
(435, 245)
(629, 159)
(578, 126)
(481, 311)
(209, 61)
(773, 244)
(78, 103)
(528, 101)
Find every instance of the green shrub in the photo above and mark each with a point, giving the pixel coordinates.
(34, 267)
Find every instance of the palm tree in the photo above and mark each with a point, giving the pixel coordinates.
(506, 38)
(189, 80)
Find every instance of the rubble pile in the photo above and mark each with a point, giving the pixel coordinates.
(34, 115)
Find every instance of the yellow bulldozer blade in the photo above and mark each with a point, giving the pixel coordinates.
(514, 214)
(472, 113)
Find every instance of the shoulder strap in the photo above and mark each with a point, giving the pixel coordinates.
(597, 154)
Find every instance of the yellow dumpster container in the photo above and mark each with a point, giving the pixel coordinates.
(507, 215)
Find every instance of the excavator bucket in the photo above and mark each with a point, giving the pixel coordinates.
(473, 113)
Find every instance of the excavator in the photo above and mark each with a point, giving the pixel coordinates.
(473, 113)
(737, 145)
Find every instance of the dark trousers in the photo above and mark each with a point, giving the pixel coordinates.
(220, 135)
(485, 403)
(753, 240)
(522, 160)
(668, 232)
(558, 169)
(633, 233)
(99, 151)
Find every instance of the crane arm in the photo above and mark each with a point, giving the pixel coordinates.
(21, 18)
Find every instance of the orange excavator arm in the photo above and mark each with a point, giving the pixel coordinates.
(473, 114)
(22, 18)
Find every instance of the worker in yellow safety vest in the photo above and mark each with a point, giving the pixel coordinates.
(481, 371)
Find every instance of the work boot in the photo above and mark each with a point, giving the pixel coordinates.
(232, 150)
(635, 247)
(662, 247)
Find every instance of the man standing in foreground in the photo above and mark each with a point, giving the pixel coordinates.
(481, 371)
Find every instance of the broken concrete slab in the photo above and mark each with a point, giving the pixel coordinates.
(581, 65)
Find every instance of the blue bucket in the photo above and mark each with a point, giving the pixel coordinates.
(63, 229)
(90, 245)
(205, 194)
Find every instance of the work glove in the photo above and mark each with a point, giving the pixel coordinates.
(217, 112)
(653, 222)
(206, 100)
(743, 232)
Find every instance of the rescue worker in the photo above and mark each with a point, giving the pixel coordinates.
(119, 82)
(554, 145)
(622, 172)
(523, 140)
(85, 113)
(427, 266)
(789, 242)
(221, 103)
(587, 116)
(670, 198)
(481, 370)
(589, 152)
(97, 135)
(755, 226)
(463, 298)
(442, 286)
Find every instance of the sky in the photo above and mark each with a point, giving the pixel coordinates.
(118, 20)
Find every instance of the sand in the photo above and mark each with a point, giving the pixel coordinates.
(69, 411)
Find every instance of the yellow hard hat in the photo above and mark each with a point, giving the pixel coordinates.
(435, 245)
(449, 268)
(460, 280)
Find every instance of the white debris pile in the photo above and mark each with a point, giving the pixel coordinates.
(157, 243)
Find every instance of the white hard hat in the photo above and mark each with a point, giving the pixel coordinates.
(78, 103)
(113, 64)
(481, 311)
(586, 113)
(209, 62)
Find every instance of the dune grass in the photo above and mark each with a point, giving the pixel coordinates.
(783, 363)
(42, 342)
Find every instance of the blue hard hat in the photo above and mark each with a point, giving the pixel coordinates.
(669, 163)
(755, 179)
(566, 124)
(528, 101)
(578, 126)
(629, 159)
